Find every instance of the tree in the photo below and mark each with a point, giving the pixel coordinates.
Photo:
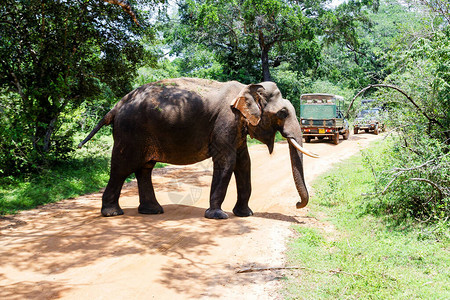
(239, 31)
(57, 54)
(274, 22)
(249, 36)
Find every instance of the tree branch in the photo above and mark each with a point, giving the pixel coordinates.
(126, 7)
(430, 182)
(420, 166)
(432, 120)
(401, 171)
(19, 87)
(338, 271)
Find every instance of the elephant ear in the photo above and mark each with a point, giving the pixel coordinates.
(249, 102)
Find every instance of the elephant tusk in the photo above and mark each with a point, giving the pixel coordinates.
(294, 143)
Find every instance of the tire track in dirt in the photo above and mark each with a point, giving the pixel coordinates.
(66, 250)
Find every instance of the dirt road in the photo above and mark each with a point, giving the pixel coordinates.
(67, 250)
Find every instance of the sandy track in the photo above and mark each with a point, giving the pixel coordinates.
(67, 250)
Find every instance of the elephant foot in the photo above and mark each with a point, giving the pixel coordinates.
(150, 210)
(112, 211)
(215, 214)
(242, 212)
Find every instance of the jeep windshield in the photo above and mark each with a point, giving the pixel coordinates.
(368, 112)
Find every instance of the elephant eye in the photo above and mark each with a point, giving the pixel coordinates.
(282, 114)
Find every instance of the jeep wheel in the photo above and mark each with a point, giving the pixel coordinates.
(346, 134)
(355, 130)
(307, 139)
(336, 138)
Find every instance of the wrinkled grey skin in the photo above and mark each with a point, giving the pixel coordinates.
(186, 120)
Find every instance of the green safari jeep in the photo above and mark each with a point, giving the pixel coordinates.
(369, 119)
(321, 116)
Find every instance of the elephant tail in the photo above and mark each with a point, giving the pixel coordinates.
(107, 119)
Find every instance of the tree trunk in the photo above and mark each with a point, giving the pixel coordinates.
(264, 57)
(44, 125)
(265, 65)
(41, 139)
(48, 135)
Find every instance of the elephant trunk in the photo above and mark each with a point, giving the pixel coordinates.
(292, 132)
(297, 172)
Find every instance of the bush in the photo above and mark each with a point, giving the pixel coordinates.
(412, 184)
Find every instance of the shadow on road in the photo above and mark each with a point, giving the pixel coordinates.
(69, 237)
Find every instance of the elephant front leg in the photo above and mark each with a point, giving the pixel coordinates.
(147, 199)
(219, 186)
(243, 184)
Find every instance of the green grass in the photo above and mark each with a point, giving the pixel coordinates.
(86, 172)
(363, 257)
(76, 177)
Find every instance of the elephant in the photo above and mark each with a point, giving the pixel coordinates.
(186, 120)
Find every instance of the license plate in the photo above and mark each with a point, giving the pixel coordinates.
(321, 130)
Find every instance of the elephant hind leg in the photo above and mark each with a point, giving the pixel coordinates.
(147, 199)
(120, 170)
(110, 199)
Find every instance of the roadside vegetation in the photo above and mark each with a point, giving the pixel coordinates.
(365, 253)
(85, 172)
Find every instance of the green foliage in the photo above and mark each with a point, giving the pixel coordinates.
(249, 39)
(415, 176)
(55, 55)
(164, 69)
(424, 71)
(440, 8)
(415, 184)
(355, 55)
(362, 191)
(359, 255)
(212, 27)
(86, 171)
(290, 83)
(244, 34)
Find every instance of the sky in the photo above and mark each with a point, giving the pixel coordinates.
(336, 2)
